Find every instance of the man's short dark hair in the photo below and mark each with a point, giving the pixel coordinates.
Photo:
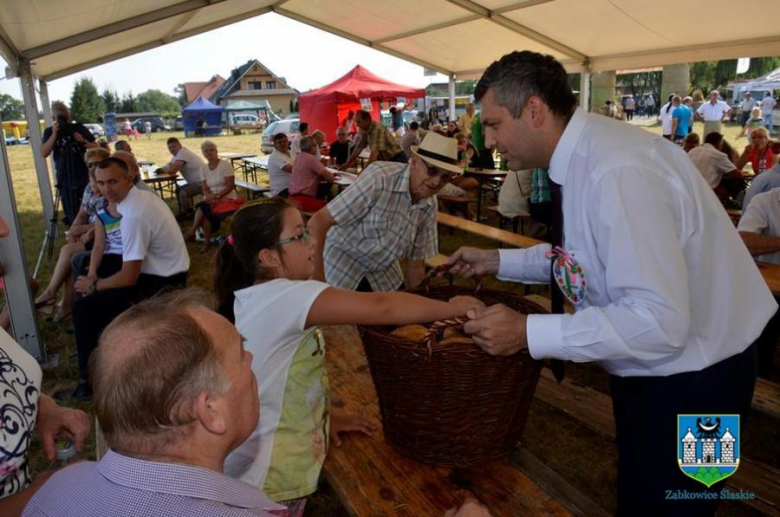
(714, 139)
(414, 126)
(279, 136)
(172, 140)
(105, 163)
(518, 76)
(304, 126)
(362, 115)
(121, 145)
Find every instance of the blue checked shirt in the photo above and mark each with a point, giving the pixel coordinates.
(376, 225)
(120, 485)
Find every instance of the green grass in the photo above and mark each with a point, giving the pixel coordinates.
(583, 458)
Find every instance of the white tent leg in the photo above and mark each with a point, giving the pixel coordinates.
(18, 295)
(584, 90)
(46, 106)
(452, 99)
(36, 138)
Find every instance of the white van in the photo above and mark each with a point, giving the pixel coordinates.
(245, 119)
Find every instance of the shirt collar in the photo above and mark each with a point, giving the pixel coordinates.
(182, 480)
(561, 158)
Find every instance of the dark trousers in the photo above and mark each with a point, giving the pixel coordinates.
(93, 313)
(766, 343)
(399, 158)
(70, 195)
(646, 410)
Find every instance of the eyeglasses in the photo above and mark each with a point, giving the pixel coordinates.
(92, 165)
(302, 237)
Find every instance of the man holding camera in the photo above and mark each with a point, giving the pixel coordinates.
(69, 141)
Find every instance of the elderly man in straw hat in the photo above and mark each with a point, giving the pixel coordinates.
(387, 215)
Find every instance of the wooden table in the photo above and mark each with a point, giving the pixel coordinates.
(483, 176)
(489, 232)
(771, 273)
(234, 157)
(162, 182)
(371, 478)
(252, 165)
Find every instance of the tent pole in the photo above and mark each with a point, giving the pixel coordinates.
(452, 116)
(36, 138)
(17, 288)
(46, 105)
(584, 89)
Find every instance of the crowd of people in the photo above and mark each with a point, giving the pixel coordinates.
(223, 408)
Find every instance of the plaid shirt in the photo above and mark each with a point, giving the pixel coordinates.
(120, 485)
(376, 225)
(540, 186)
(380, 139)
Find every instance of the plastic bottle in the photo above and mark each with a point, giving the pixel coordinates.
(761, 165)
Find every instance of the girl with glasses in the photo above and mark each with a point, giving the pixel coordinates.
(263, 284)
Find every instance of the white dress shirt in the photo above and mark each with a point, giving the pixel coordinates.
(762, 216)
(671, 287)
(712, 164)
(713, 112)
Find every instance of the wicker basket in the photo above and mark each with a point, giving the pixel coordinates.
(452, 405)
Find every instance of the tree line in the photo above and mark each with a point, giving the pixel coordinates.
(86, 104)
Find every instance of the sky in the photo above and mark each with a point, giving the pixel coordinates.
(305, 56)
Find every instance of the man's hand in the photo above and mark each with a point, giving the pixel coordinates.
(84, 285)
(210, 197)
(468, 262)
(78, 137)
(54, 420)
(466, 303)
(349, 423)
(470, 508)
(497, 329)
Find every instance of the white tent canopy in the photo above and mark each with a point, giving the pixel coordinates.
(455, 37)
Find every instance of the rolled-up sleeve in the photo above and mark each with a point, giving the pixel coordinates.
(644, 272)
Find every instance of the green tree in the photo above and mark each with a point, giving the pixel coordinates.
(129, 103)
(85, 103)
(111, 100)
(181, 94)
(641, 83)
(465, 87)
(162, 103)
(10, 108)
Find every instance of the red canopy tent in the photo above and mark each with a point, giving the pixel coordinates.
(326, 107)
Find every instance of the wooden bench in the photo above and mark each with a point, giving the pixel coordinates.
(455, 204)
(370, 478)
(489, 232)
(253, 189)
(517, 221)
(594, 409)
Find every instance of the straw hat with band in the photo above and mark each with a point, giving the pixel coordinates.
(439, 151)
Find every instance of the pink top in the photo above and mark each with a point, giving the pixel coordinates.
(306, 173)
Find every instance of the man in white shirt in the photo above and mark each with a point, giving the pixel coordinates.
(759, 228)
(295, 145)
(746, 106)
(280, 165)
(637, 218)
(713, 164)
(154, 257)
(767, 112)
(189, 164)
(712, 113)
